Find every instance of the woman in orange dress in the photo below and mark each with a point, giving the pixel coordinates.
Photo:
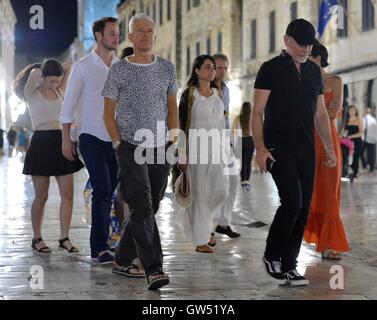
(324, 227)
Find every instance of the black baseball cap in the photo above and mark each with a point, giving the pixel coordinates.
(302, 31)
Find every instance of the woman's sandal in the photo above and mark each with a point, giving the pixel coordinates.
(212, 240)
(204, 249)
(331, 255)
(157, 280)
(44, 249)
(63, 247)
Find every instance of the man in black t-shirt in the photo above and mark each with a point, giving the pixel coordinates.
(288, 104)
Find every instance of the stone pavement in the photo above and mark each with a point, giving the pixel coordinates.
(234, 271)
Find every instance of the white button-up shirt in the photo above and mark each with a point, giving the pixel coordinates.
(83, 102)
(370, 129)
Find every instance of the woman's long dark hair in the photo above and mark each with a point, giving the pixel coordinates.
(49, 67)
(348, 114)
(199, 61)
(126, 52)
(320, 50)
(245, 116)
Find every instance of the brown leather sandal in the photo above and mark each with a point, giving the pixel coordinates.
(331, 255)
(205, 248)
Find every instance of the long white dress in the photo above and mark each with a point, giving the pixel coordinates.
(209, 181)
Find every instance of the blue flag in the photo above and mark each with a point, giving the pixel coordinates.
(325, 13)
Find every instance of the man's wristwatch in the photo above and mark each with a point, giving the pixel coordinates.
(116, 144)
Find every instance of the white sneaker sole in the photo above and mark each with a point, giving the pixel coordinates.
(96, 262)
(298, 283)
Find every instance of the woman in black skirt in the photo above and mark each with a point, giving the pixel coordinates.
(42, 86)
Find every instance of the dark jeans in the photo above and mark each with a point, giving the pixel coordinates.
(345, 156)
(358, 146)
(101, 164)
(370, 150)
(143, 187)
(293, 173)
(247, 157)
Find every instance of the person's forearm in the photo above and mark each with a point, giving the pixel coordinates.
(355, 136)
(173, 124)
(63, 83)
(323, 127)
(257, 131)
(66, 132)
(111, 127)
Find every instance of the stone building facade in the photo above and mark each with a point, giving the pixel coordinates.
(251, 32)
(166, 14)
(188, 28)
(7, 52)
(352, 49)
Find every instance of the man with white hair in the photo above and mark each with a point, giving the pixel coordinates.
(141, 89)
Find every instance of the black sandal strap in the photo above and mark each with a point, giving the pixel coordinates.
(158, 275)
(61, 241)
(129, 267)
(36, 241)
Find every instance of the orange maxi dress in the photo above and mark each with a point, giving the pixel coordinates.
(324, 227)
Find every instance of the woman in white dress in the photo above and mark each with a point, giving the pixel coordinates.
(201, 114)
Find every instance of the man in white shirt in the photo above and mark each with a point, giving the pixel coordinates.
(225, 216)
(370, 140)
(84, 89)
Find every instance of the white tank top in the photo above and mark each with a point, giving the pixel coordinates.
(43, 110)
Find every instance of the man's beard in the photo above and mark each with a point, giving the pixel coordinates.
(107, 47)
(301, 60)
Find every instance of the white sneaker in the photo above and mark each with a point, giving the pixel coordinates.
(295, 279)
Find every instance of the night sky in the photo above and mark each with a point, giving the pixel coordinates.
(60, 27)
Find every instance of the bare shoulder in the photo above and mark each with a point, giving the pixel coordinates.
(36, 73)
(335, 79)
(333, 82)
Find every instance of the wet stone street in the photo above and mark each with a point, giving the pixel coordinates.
(234, 271)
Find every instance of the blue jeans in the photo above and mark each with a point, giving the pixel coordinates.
(101, 163)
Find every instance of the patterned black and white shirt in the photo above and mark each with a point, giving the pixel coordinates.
(141, 92)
